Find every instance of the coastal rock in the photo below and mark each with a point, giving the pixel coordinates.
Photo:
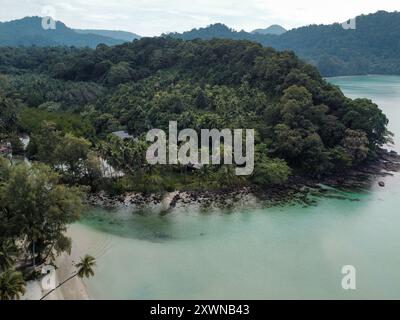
(296, 190)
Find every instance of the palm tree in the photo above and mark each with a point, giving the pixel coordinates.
(85, 267)
(12, 285)
(84, 270)
(227, 175)
(8, 251)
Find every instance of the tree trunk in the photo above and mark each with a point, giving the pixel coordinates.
(66, 280)
(33, 253)
(48, 253)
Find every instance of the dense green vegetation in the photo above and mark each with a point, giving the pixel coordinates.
(303, 125)
(372, 48)
(70, 101)
(35, 210)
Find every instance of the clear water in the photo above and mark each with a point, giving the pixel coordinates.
(382, 90)
(290, 252)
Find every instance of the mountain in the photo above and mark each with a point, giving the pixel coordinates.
(29, 31)
(115, 34)
(372, 48)
(274, 29)
(217, 30)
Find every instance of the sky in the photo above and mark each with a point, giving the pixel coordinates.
(154, 17)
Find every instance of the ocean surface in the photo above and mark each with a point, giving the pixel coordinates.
(286, 252)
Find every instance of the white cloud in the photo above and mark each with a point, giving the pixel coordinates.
(153, 17)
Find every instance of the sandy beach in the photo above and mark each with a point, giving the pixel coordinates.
(74, 289)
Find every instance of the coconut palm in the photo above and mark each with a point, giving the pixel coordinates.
(226, 175)
(12, 285)
(85, 267)
(8, 252)
(84, 270)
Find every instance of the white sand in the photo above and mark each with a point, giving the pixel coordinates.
(74, 289)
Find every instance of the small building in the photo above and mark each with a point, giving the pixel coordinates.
(123, 135)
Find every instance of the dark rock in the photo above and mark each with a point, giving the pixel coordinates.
(381, 184)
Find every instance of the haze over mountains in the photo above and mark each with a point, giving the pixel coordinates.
(115, 34)
(274, 29)
(29, 31)
(372, 48)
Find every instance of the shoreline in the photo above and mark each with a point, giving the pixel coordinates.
(296, 189)
(74, 289)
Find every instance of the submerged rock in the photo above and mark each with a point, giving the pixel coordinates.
(381, 184)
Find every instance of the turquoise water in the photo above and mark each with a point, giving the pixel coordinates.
(383, 90)
(291, 252)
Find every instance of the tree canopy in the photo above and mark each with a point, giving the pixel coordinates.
(303, 121)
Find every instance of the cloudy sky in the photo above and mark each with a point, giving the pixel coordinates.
(153, 17)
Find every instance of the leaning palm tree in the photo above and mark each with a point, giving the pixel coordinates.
(84, 270)
(85, 267)
(12, 285)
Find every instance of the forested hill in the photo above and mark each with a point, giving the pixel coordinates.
(123, 36)
(302, 123)
(372, 48)
(274, 29)
(29, 31)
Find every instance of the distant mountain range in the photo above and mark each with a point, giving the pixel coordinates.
(29, 31)
(124, 36)
(372, 48)
(274, 29)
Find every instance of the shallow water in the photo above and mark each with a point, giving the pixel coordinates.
(291, 252)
